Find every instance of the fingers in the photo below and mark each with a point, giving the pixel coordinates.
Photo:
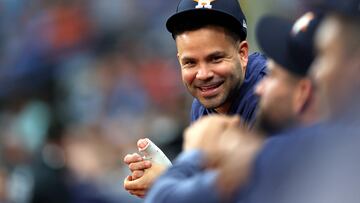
(134, 189)
(137, 174)
(131, 158)
(138, 193)
(136, 162)
(142, 165)
(130, 184)
(140, 186)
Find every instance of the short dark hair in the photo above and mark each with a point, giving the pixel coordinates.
(188, 24)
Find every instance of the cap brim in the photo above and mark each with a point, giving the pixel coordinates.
(204, 15)
(272, 35)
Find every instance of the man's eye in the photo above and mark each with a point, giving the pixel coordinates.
(189, 63)
(216, 59)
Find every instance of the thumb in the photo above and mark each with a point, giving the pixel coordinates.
(142, 143)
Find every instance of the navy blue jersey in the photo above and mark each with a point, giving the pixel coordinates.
(246, 101)
(314, 164)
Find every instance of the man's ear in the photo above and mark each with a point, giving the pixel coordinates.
(303, 96)
(177, 51)
(243, 51)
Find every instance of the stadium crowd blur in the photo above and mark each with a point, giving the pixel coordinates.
(80, 82)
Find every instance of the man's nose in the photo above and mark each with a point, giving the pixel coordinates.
(204, 73)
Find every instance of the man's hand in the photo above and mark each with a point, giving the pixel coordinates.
(140, 186)
(204, 133)
(137, 166)
(228, 146)
(143, 172)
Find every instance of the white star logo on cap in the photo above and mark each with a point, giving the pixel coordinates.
(302, 23)
(204, 4)
(244, 24)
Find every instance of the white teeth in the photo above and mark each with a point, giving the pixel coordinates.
(208, 87)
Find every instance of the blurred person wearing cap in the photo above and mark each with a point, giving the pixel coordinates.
(216, 69)
(324, 164)
(287, 93)
(286, 97)
(319, 163)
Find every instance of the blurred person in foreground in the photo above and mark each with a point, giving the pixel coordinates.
(320, 163)
(217, 139)
(216, 69)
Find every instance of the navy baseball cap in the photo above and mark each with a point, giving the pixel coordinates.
(227, 13)
(289, 44)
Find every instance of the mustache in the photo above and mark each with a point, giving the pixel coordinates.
(209, 83)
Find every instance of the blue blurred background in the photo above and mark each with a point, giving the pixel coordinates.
(80, 82)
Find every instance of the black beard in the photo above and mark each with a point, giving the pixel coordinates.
(267, 126)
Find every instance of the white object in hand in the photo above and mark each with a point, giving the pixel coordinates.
(152, 152)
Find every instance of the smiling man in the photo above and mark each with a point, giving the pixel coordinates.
(213, 53)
